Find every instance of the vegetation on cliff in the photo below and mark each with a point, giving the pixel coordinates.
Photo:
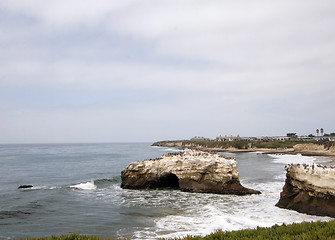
(242, 145)
(252, 144)
(327, 145)
(305, 230)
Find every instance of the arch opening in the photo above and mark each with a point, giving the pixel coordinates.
(169, 180)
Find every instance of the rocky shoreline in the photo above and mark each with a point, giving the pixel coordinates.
(307, 189)
(307, 149)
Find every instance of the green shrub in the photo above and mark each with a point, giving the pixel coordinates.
(295, 231)
(241, 144)
(327, 145)
(275, 144)
(66, 237)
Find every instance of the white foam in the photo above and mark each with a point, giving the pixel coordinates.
(289, 158)
(167, 149)
(230, 214)
(324, 161)
(172, 150)
(202, 214)
(85, 186)
(44, 187)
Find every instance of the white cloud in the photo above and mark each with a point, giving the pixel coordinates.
(65, 14)
(242, 66)
(233, 33)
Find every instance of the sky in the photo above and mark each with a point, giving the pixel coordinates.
(76, 71)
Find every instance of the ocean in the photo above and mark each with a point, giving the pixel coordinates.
(77, 190)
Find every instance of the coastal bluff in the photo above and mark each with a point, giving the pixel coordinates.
(190, 171)
(288, 147)
(309, 189)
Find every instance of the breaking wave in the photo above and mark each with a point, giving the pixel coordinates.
(85, 186)
(289, 158)
(89, 185)
(202, 214)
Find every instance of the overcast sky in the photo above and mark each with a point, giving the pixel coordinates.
(133, 71)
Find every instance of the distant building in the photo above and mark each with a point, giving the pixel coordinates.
(264, 139)
(325, 138)
(291, 136)
(307, 139)
(282, 139)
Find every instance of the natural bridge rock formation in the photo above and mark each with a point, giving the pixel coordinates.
(309, 189)
(191, 171)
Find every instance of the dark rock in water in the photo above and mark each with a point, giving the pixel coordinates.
(191, 171)
(25, 186)
(309, 189)
(13, 214)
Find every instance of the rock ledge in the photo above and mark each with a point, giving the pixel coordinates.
(191, 171)
(309, 189)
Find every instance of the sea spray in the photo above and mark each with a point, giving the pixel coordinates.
(85, 186)
(289, 158)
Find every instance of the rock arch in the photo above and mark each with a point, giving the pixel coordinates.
(192, 171)
(168, 180)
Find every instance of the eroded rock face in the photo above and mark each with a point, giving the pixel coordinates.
(309, 189)
(192, 171)
(315, 149)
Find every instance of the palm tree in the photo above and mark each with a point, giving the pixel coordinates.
(317, 132)
(321, 130)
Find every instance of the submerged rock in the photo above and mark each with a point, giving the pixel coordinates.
(309, 189)
(191, 171)
(25, 186)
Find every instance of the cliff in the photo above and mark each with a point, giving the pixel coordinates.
(309, 189)
(288, 147)
(316, 149)
(176, 143)
(192, 171)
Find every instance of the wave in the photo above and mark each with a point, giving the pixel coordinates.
(228, 213)
(173, 150)
(106, 181)
(181, 213)
(289, 158)
(89, 185)
(85, 186)
(167, 149)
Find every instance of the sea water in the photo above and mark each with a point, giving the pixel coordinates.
(77, 190)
